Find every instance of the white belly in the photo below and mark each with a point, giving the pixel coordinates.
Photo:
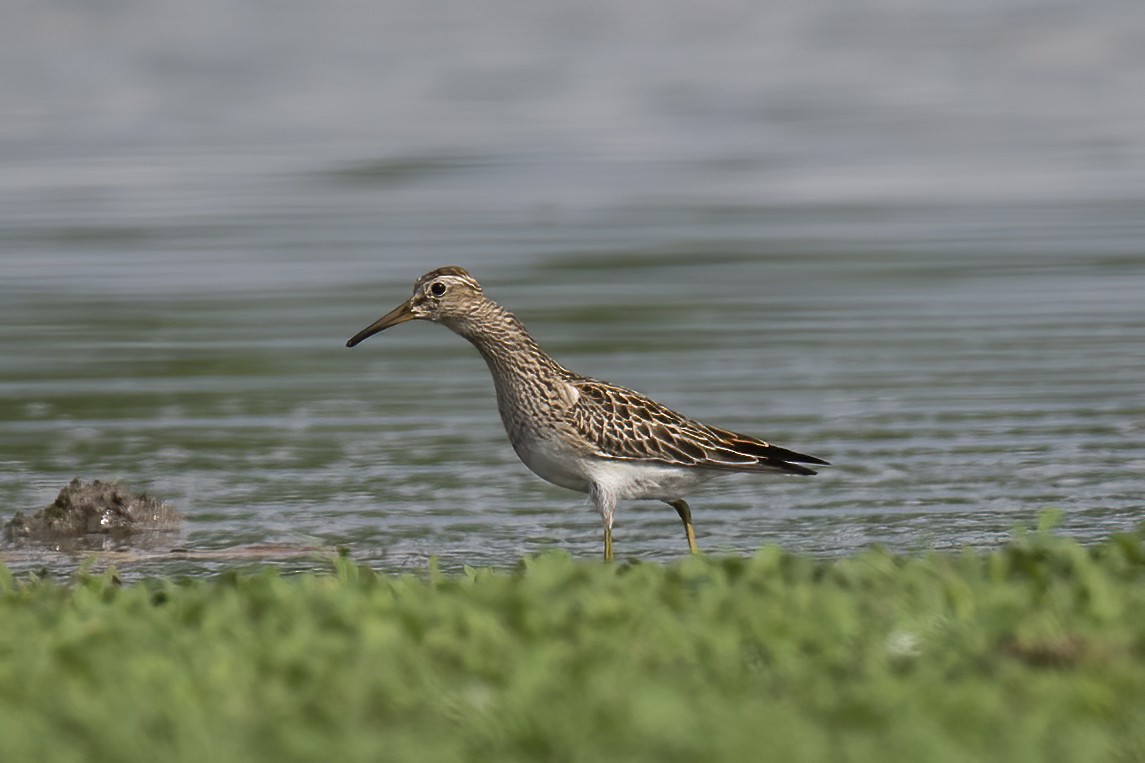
(553, 463)
(646, 480)
(565, 467)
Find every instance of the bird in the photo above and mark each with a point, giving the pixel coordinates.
(581, 433)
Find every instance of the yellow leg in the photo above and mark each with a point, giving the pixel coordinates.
(682, 508)
(608, 544)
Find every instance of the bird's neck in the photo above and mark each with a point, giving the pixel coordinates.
(529, 384)
(505, 343)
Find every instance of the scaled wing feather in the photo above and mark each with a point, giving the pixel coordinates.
(623, 424)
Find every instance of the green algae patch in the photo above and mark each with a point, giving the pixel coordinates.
(1032, 652)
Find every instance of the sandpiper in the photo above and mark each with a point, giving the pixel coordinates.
(581, 433)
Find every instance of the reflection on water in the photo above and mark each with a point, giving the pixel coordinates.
(908, 241)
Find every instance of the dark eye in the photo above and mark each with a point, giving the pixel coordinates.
(437, 288)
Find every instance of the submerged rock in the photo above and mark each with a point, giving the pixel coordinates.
(93, 508)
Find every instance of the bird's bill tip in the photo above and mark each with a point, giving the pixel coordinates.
(399, 314)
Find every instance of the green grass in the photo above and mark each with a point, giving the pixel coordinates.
(1032, 652)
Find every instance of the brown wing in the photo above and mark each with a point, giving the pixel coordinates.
(621, 423)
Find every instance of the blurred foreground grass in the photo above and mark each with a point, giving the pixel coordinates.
(1033, 652)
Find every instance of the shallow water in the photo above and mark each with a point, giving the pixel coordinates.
(911, 243)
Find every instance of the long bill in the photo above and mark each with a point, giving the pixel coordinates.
(399, 314)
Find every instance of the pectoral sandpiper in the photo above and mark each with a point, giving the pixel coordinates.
(580, 433)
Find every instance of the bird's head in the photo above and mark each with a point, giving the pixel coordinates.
(446, 295)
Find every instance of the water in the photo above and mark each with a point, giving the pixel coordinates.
(909, 240)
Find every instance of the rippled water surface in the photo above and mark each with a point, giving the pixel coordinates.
(909, 242)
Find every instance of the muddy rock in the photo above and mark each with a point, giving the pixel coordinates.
(93, 508)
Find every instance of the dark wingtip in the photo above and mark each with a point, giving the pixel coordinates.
(796, 469)
(775, 452)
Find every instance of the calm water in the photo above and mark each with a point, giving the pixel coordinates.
(910, 240)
